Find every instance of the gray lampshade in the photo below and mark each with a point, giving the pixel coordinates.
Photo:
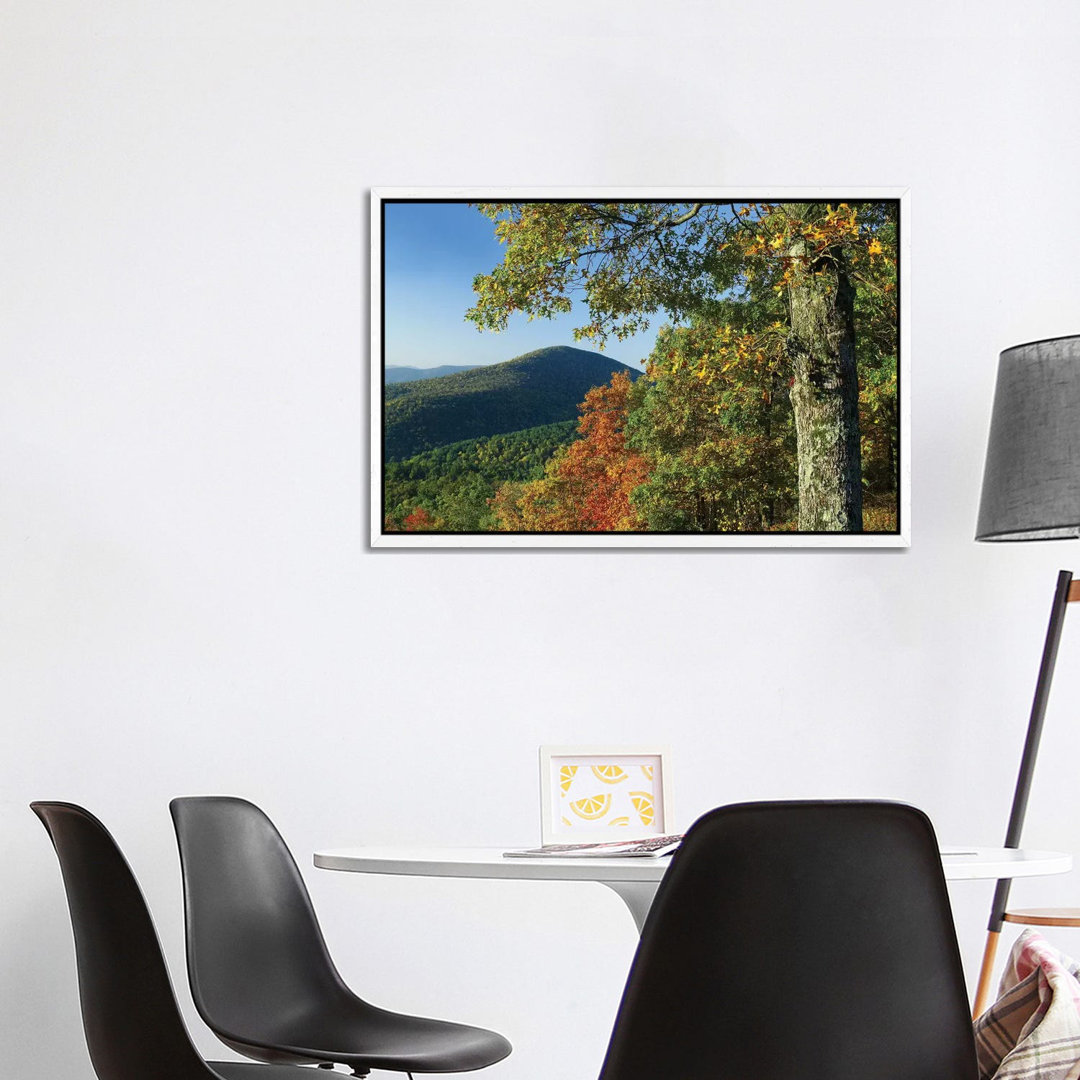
(1031, 484)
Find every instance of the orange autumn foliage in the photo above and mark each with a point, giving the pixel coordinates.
(587, 485)
(419, 521)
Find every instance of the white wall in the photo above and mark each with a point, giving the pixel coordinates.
(187, 603)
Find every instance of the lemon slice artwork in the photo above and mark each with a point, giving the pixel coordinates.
(643, 804)
(592, 808)
(624, 820)
(566, 777)
(609, 774)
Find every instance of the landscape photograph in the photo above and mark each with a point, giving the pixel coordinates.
(648, 371)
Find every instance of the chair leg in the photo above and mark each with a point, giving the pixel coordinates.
(982, 992)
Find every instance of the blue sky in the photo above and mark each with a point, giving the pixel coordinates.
(433, 251)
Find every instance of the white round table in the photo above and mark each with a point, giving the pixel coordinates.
(636, 879)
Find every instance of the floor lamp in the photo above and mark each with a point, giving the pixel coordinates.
(1031, 491)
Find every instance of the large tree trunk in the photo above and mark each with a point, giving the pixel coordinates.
(825, 395)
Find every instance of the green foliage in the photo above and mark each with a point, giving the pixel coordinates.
(629, 260)
(713, 420)
(876, 355)
(715, 416)
(540, 387)
(453, 483)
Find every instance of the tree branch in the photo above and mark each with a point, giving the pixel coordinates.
(671, 222)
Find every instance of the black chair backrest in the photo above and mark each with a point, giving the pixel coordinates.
(798, 941)
(255, 951)
(132, 1022)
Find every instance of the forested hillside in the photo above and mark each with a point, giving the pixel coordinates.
(453, 484)
(541, 387)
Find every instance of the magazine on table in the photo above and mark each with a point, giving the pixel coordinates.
(649, 847)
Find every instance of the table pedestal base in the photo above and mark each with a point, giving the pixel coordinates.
(637, 896)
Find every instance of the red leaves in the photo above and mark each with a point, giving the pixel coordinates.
(418, 521)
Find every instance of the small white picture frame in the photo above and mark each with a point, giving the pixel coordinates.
(590, 794)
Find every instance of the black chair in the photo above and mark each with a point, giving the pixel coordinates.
(798, 941)
(133, 1026)
(258, 966)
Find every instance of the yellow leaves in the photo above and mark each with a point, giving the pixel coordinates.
(842, 212)
(776, 243)
(841, 225)
(874, 247)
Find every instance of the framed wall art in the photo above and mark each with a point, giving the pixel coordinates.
(639, 368)
(596, 793)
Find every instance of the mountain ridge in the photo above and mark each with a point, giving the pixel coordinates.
(543, 386)
(396, 373)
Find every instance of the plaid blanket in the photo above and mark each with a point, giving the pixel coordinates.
(1032, 1031)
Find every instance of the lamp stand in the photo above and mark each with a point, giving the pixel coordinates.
(1066, 591)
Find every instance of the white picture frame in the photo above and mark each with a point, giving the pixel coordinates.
(382, 536)
(590, 794)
